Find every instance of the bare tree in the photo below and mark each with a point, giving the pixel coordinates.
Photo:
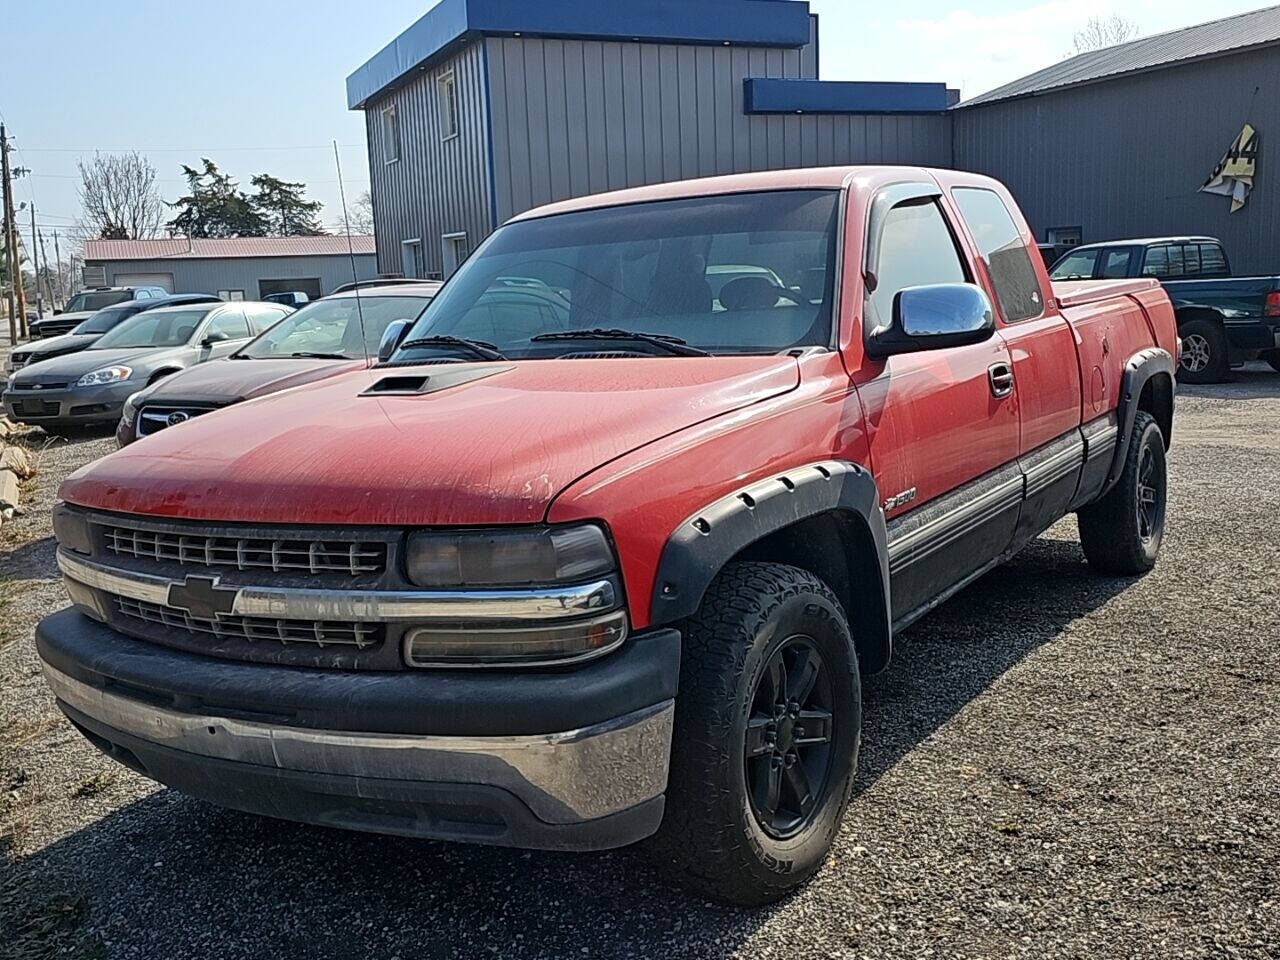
(1102, 32)
(119, 195)
(359, 215)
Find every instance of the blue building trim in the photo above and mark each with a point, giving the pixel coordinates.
(831, 96)
(763, 23)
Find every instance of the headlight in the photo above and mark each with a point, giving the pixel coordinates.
(506, 558)
(105, 375)
(131, 405)
(577, 619)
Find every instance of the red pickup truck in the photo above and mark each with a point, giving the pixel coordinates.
(601, 549)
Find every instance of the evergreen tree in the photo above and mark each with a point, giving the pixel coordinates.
(215, 206)
(284, 208)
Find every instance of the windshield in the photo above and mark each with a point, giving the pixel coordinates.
(104, 320)
(96, 300)
(736, 273)
(332, 327)
(1077, 265)
(154, 328)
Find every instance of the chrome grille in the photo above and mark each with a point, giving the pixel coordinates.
(320, 633)
(351, 557)
(154, 419)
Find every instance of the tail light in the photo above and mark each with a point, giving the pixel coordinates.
(1272, 309)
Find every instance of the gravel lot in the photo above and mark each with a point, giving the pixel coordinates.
(1056, 764)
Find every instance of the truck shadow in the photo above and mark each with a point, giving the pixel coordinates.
(1255, 381)
(170, 876)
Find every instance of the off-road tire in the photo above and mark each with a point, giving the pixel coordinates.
(710, 834)
(1111, 529)
(1273, 359)
(1209, 335)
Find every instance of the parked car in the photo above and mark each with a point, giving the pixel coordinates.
(87, 332)
(293, 298)
(618, 570)
(90, 387)
(1224, 321)
(321, 340)
(86, 303)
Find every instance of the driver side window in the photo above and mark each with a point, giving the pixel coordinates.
(230, 322)
(916, 248)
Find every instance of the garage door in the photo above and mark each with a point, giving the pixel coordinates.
(145, 280)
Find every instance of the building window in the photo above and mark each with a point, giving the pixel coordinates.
(447, 93)
(390, 135)
(230, 294)
(1064, 236)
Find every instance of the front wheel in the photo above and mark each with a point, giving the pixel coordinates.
(1122, 532)
(767, 728)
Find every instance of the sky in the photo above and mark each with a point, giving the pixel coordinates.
(259, 87)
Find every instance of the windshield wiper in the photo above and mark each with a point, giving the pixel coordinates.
(671, 344)
(481, 348)
(307, 355)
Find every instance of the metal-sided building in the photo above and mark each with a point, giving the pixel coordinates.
(241, 268)
(485, 108)
(1117, 143)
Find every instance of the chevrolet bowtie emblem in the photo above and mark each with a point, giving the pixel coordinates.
(202, 597)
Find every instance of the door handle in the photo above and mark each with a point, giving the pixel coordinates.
(1001, 377)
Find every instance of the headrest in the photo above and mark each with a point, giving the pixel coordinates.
(749, 293)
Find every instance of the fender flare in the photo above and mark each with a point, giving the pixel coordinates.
(1139, 369)
(705, 541)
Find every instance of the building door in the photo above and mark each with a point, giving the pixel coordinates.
(453, 249)
(411, 262)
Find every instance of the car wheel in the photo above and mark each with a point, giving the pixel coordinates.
(1204, 352)
(767, 728)
(1122, 532)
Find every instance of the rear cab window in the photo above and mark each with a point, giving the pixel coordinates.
(1013, 273)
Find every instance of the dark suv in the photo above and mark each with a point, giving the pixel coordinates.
(88, 302)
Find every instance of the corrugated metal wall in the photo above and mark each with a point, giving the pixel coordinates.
(1126, 158)
(242, 273)
(574, 117)
(437, 186)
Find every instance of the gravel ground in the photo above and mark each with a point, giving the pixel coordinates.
(1056, 764)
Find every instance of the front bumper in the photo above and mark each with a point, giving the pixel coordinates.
(565, 759)
(69, 405)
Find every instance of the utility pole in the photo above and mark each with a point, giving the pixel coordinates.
(17, 298)
(62, 294)
(35, 259)
(48, 283)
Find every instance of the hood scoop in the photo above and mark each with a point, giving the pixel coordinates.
(417, 384)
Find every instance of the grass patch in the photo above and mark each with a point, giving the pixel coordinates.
(93, 785)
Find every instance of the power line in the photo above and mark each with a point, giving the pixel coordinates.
(323, 146)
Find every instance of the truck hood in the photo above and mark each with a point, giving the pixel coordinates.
(494, 448)
(73, 366)
(223, 382)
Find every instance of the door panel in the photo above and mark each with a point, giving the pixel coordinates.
(934, 426)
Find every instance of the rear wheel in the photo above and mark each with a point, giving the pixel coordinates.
(1204, 352)
(1122, 532)
(768, 723)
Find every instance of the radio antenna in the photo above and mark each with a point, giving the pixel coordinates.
(351, 252)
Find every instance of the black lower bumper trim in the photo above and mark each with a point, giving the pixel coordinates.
(444, 811)
(480, 703)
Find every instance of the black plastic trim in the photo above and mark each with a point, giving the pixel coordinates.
(1141, 367)
(697, 549)
(643, 672)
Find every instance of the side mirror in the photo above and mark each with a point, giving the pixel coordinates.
(935, 316)
(212, 337)
(391, 338)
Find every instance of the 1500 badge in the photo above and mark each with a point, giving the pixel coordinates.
(898, 499)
